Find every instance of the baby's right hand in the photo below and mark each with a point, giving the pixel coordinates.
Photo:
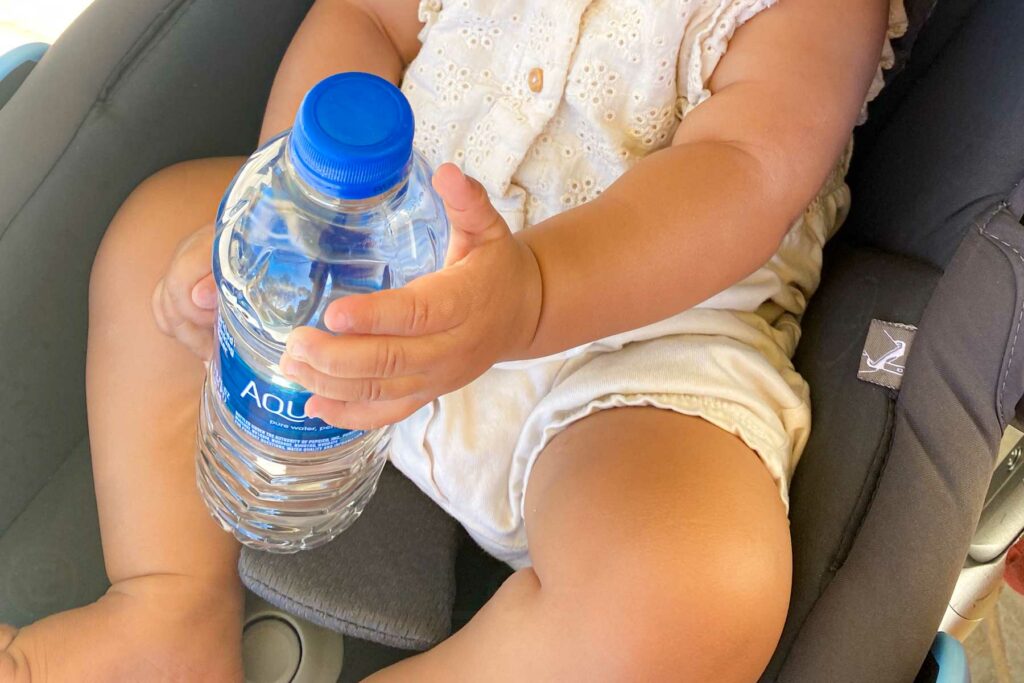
(185, 299)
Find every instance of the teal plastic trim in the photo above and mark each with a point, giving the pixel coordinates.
(12, 59)
(952, 659)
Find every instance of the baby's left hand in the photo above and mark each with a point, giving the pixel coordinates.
(398, 349)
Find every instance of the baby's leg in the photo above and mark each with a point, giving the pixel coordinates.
(661, 553)
(173, 611)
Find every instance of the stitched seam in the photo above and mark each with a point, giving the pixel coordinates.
(867, 494)
(167, 18)
(1020, 313)
(828, 580)
(911, 83)
(43, 486)
(71, 139)
(1015, 201)
(833, 567)
(416, 643)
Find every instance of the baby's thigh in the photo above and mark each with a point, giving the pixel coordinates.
(669, 524)
(154, 219)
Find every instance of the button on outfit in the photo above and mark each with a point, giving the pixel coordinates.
(606, 83)
(536, 79)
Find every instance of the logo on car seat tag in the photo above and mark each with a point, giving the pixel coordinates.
(884, 357)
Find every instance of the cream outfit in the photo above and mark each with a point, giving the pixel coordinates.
(547, 103)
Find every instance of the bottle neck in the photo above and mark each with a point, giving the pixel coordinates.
(389, 199)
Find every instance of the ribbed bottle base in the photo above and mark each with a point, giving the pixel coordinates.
(277, 501)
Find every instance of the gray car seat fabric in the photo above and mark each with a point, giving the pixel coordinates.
(132, 87)
(933, 239)
(50, 555)
(880, 585)
(944, 19)
(388, 578)
(853, 420)
(954, 145)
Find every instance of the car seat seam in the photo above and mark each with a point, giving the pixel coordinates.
(1015, 199)
(851, 532)
(834, 567)
(1020, 313)
(868, 492)
(148, 34)
(144, 45)
(912, 82)
(49, 478)
(416, 643)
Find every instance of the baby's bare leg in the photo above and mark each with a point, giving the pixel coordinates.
(661, 553)
(143, 388)
(173, 611)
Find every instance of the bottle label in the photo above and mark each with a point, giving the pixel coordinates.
(270, 413)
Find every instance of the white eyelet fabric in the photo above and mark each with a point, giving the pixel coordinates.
(547, 103)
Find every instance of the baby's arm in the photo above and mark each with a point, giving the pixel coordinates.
(376, 36)
(680, 226)
(693, 219)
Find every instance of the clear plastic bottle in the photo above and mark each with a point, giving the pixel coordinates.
(341, 204)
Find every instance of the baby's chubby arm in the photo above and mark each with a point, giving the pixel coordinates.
(689, 221)
(682, 225)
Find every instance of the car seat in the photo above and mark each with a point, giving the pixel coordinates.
(889, 491)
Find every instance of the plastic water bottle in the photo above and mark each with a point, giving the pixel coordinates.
(341, 204)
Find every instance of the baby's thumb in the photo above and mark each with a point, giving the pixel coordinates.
(204, 293)
(473, 218)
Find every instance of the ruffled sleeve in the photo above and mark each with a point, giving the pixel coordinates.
(707, 36)
(705, 40)
(427, 13)
(897, 28)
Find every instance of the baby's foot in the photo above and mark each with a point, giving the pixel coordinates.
(159, 628)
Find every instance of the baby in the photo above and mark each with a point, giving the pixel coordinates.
(597, 385)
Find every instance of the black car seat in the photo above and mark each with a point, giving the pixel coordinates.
(890, 487)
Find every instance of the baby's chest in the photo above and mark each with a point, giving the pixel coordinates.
(495, 79)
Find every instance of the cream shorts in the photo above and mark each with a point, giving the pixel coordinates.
(471, 451)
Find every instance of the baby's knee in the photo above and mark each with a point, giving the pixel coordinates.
(666, 618)
(163, 210)
(168, 205)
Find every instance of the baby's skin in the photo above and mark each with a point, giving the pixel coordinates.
(606, 599)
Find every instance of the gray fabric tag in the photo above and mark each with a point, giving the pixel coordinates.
(885, 353)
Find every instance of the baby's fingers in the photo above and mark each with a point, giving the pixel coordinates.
(204, 293)
(197, 338)
(189, 284)
(429, 305)
(357, 390)
(362, 415)
(169, 313)
(358, 356)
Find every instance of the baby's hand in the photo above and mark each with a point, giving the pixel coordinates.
(185, 299)
(398, 349)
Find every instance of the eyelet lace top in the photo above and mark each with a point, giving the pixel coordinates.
(547, 103)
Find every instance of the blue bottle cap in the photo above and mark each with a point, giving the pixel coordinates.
(352, 137)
